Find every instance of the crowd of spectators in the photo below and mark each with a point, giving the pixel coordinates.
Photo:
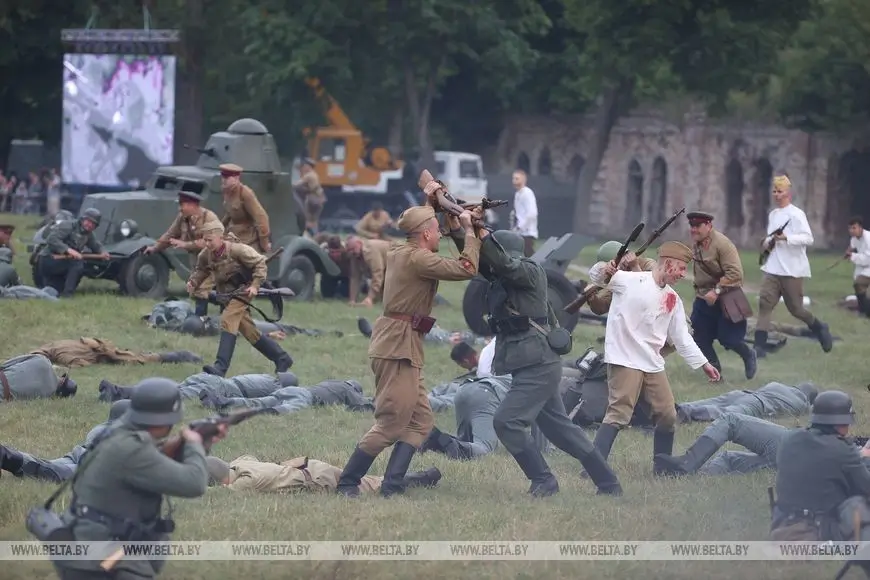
(37, 193)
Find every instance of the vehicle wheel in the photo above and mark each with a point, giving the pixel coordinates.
(144, 276)
(300, 277)
(37, 276)
(561, 292)
(474, 306)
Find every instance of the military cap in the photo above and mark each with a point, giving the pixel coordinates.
(608, 250)
(511, 242)
(414, 218)
(189, 196)
(155, 402)
(211, 227)
(832, 408)
(230, 169)
(676, 251)
(7, 228)
(118, 409)
(699, 217)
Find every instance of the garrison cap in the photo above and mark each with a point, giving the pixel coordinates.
(676, 251)
(413, 218)
(229, 169)
(214, 226)
(7, 228)
(189, 196)
(699, 217)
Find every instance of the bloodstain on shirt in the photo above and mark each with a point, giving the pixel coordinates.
(670, 302)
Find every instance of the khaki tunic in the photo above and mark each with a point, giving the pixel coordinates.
(248, 473)
(245, 217)
(87, 351)
(312, 195)
(189, 230)
(373, 262)
(402, 411)
(233, 258)
(372, 227)
(719, 255)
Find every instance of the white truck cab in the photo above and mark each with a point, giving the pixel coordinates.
(462, 173)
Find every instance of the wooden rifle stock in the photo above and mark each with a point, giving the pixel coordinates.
(446, 203)
(207, 428)
(84, 257)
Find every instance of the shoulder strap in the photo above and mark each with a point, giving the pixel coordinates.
(701, 264)
(87, 458)
(551, 318)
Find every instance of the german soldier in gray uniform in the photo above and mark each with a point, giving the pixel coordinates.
(69, 239)
(822, 484)
(119, 488)
(32, 376)
(519, 312)
(771, 400)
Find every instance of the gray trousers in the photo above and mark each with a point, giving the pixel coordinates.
(474, 413)
(283, 401)
(534, 397)
(193, 391)
(760, 437)
(714, 407)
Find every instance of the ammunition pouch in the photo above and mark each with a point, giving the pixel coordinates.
(418, 322)
(46, 526)
(803, 526)
(124, 530)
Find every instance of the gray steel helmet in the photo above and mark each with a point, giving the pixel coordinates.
(118, 409)
(810, 390)
(288, 379)
(832, 408)
(92, 214)
(193, 325)
(155, 402)
(64, 215)
(511, 242)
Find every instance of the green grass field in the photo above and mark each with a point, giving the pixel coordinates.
(482, 500)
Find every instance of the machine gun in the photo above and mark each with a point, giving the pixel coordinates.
(211, 152)
(208, 429)
(578, 302)
(446, 203)
(768, 247)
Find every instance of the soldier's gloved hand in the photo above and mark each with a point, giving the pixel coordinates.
(74, 254)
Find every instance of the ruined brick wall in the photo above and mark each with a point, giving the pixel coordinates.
(654, 165)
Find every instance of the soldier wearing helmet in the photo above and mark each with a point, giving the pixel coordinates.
(822, 483)
(60, 261)
(526, 334)
(119, 488)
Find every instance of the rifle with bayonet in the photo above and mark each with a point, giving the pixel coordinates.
(578, 302)
(769, 245)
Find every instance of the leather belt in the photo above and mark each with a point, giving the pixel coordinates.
(396, 316)
(7, 391)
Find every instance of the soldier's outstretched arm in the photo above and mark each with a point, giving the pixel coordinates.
(56, 239)
(150, 470)
(174, 231)
(252, 259)
(431, 266)
(200, 271)
(521, 273)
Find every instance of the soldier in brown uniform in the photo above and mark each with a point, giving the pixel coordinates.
(245, 217)
(185, 233)
(721, 308)
(311, 193)
(235, 266)
(402, 413)
(6, 237)
(370, 256)
(373, 225)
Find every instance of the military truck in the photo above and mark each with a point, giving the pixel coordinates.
(133, 220)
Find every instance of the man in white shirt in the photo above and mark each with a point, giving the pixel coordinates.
(786, 267)
(859, 254)
(484, 361)
(645, 313)
(525, 211)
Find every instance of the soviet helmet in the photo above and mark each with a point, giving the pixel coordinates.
(608, 251)
(155, 402)
(512, 242)
(92, 214)
(832, 408)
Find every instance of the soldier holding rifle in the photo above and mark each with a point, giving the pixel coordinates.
(785, 265)
(119, 488)
(60, 261)
(235, 266)
(402, 412)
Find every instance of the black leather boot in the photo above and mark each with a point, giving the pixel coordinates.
(273, 351)
(750, 359)
(397, 468)
(604, 438)
(11, 461)
(200, 307)
(760, 343)
(180, 356)
(110, 392)
(428, 478)
(820, 329)
(690, 462)
(601, 474)
(226, 348)
(351, 476)
(532, 462)
(663, 444)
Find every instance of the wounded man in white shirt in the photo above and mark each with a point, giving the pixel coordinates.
(644, 314)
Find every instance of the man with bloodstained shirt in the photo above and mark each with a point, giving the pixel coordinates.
(645, 313)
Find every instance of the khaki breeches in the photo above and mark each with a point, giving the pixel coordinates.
(625, 386)
(313, 209)
(236, 319)
(861, 284)
(402, 411)
(792, 292)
